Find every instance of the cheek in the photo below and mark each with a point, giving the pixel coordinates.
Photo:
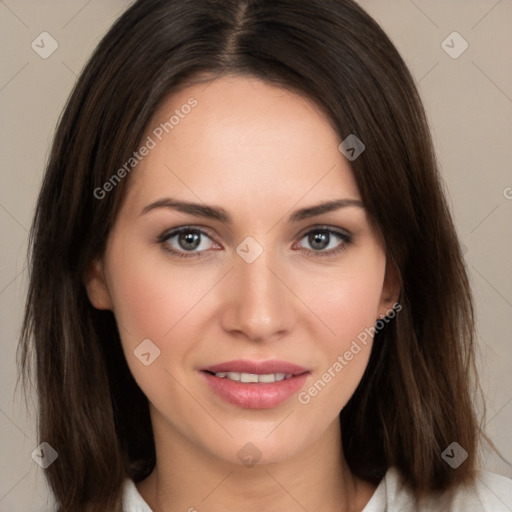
(151, 302)
(348, 305)
(143, 306)
(347, 300)
(345, 354)
(156, 300)
(150, 295)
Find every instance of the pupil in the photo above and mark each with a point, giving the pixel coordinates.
(189, 240)
(319, 240)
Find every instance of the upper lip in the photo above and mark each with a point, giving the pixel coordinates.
(257, 367)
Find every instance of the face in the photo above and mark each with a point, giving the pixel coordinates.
(254, 283)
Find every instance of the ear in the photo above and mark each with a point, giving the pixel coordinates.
(390, 289)
(96, 285)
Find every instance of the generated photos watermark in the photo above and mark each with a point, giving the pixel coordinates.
(151, 142)
(304, 397)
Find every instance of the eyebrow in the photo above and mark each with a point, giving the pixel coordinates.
(217, 213)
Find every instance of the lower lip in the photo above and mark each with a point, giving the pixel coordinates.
(255, 395)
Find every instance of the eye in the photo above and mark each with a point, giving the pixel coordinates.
(326, 241)
(186, 241)
(189, 241)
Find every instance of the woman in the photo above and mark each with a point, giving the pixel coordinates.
(246, 287)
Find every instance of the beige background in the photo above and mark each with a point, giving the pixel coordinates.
(469, 103)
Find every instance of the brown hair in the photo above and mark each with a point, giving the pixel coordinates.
(415, 396)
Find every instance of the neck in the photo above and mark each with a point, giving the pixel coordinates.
(188, 478)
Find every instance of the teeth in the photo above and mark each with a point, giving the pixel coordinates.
(252, 377)
(248, 377)
(267, 378)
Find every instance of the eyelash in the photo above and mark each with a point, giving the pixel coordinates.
(344, 238)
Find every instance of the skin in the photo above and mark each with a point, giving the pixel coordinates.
(259, 152)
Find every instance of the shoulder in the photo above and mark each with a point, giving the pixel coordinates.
(132, 500)
(489, 493)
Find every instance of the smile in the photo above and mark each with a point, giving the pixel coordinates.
(253, 377)
(255, 384)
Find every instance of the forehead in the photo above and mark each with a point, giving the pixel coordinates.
(239, 137)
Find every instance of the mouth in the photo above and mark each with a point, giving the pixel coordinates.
(252, 377)
(246, 367)
(255, 385)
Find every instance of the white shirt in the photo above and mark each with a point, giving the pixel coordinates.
(491, 493)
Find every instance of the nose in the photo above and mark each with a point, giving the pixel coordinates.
(260, 304)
